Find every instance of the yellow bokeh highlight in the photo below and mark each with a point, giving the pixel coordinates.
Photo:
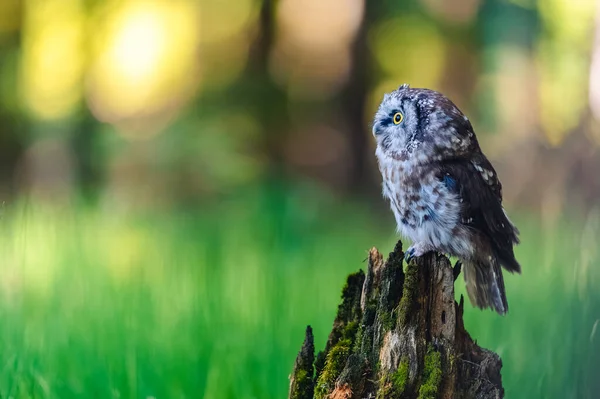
(227, 29)
(409, 50)
(222, 19)
(52, 61)
(563, 64)
(568, 20)
(145, 58)
(563, 91)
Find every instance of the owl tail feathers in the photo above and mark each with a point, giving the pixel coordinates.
(485, 285)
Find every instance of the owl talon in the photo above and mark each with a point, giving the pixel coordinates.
(457, 269)
(415, 251)
(409, 254)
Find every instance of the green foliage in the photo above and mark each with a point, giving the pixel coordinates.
(334, 364)
(209, 304)
(432, 375)
(94, 304)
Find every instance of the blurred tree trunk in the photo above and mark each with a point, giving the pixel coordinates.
(261, 94)
(90, 162)
(353, 99)
(12, 127)
(273, 109)
(398, 335)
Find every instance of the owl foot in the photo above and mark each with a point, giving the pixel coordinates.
(416, 250)
(456, 269)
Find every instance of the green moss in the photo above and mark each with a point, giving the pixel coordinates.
(370, 312)
(334, 364)
(330, 363)
(384, 388)
(393, 386)
(358, 340)
(409, 293)
(400, 377)
(364, 344)
(397, 255)
(350, 330)
(302, 380)
(319, 363)
(432, 375)
(349, 309)
(304, 386)
(388, 320)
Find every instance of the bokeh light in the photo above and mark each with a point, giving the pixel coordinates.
(145, 59)
(53, 57)
(311, 57)
(563, 64)
(407, 50)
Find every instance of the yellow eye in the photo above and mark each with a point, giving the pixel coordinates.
(398, 118)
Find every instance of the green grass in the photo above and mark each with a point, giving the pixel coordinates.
(214, 303)
(548, 342)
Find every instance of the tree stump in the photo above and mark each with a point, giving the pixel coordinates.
(398, 334)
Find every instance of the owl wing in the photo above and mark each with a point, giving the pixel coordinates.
(476, 183)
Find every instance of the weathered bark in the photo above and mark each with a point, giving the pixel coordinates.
(398, 334)
(302, 380)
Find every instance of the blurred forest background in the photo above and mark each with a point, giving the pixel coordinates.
(186, 183)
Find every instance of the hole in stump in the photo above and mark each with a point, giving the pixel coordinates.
(443, 317)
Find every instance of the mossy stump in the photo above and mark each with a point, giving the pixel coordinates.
(398, 334)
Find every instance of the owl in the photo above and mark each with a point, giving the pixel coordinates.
(443, 191)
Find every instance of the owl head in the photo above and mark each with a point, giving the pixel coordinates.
(420, 121)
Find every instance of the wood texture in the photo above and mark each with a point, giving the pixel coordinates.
(398, 334)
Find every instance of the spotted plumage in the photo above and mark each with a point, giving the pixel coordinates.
(443, 191)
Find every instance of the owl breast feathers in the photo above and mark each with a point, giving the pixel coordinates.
(444, 193)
